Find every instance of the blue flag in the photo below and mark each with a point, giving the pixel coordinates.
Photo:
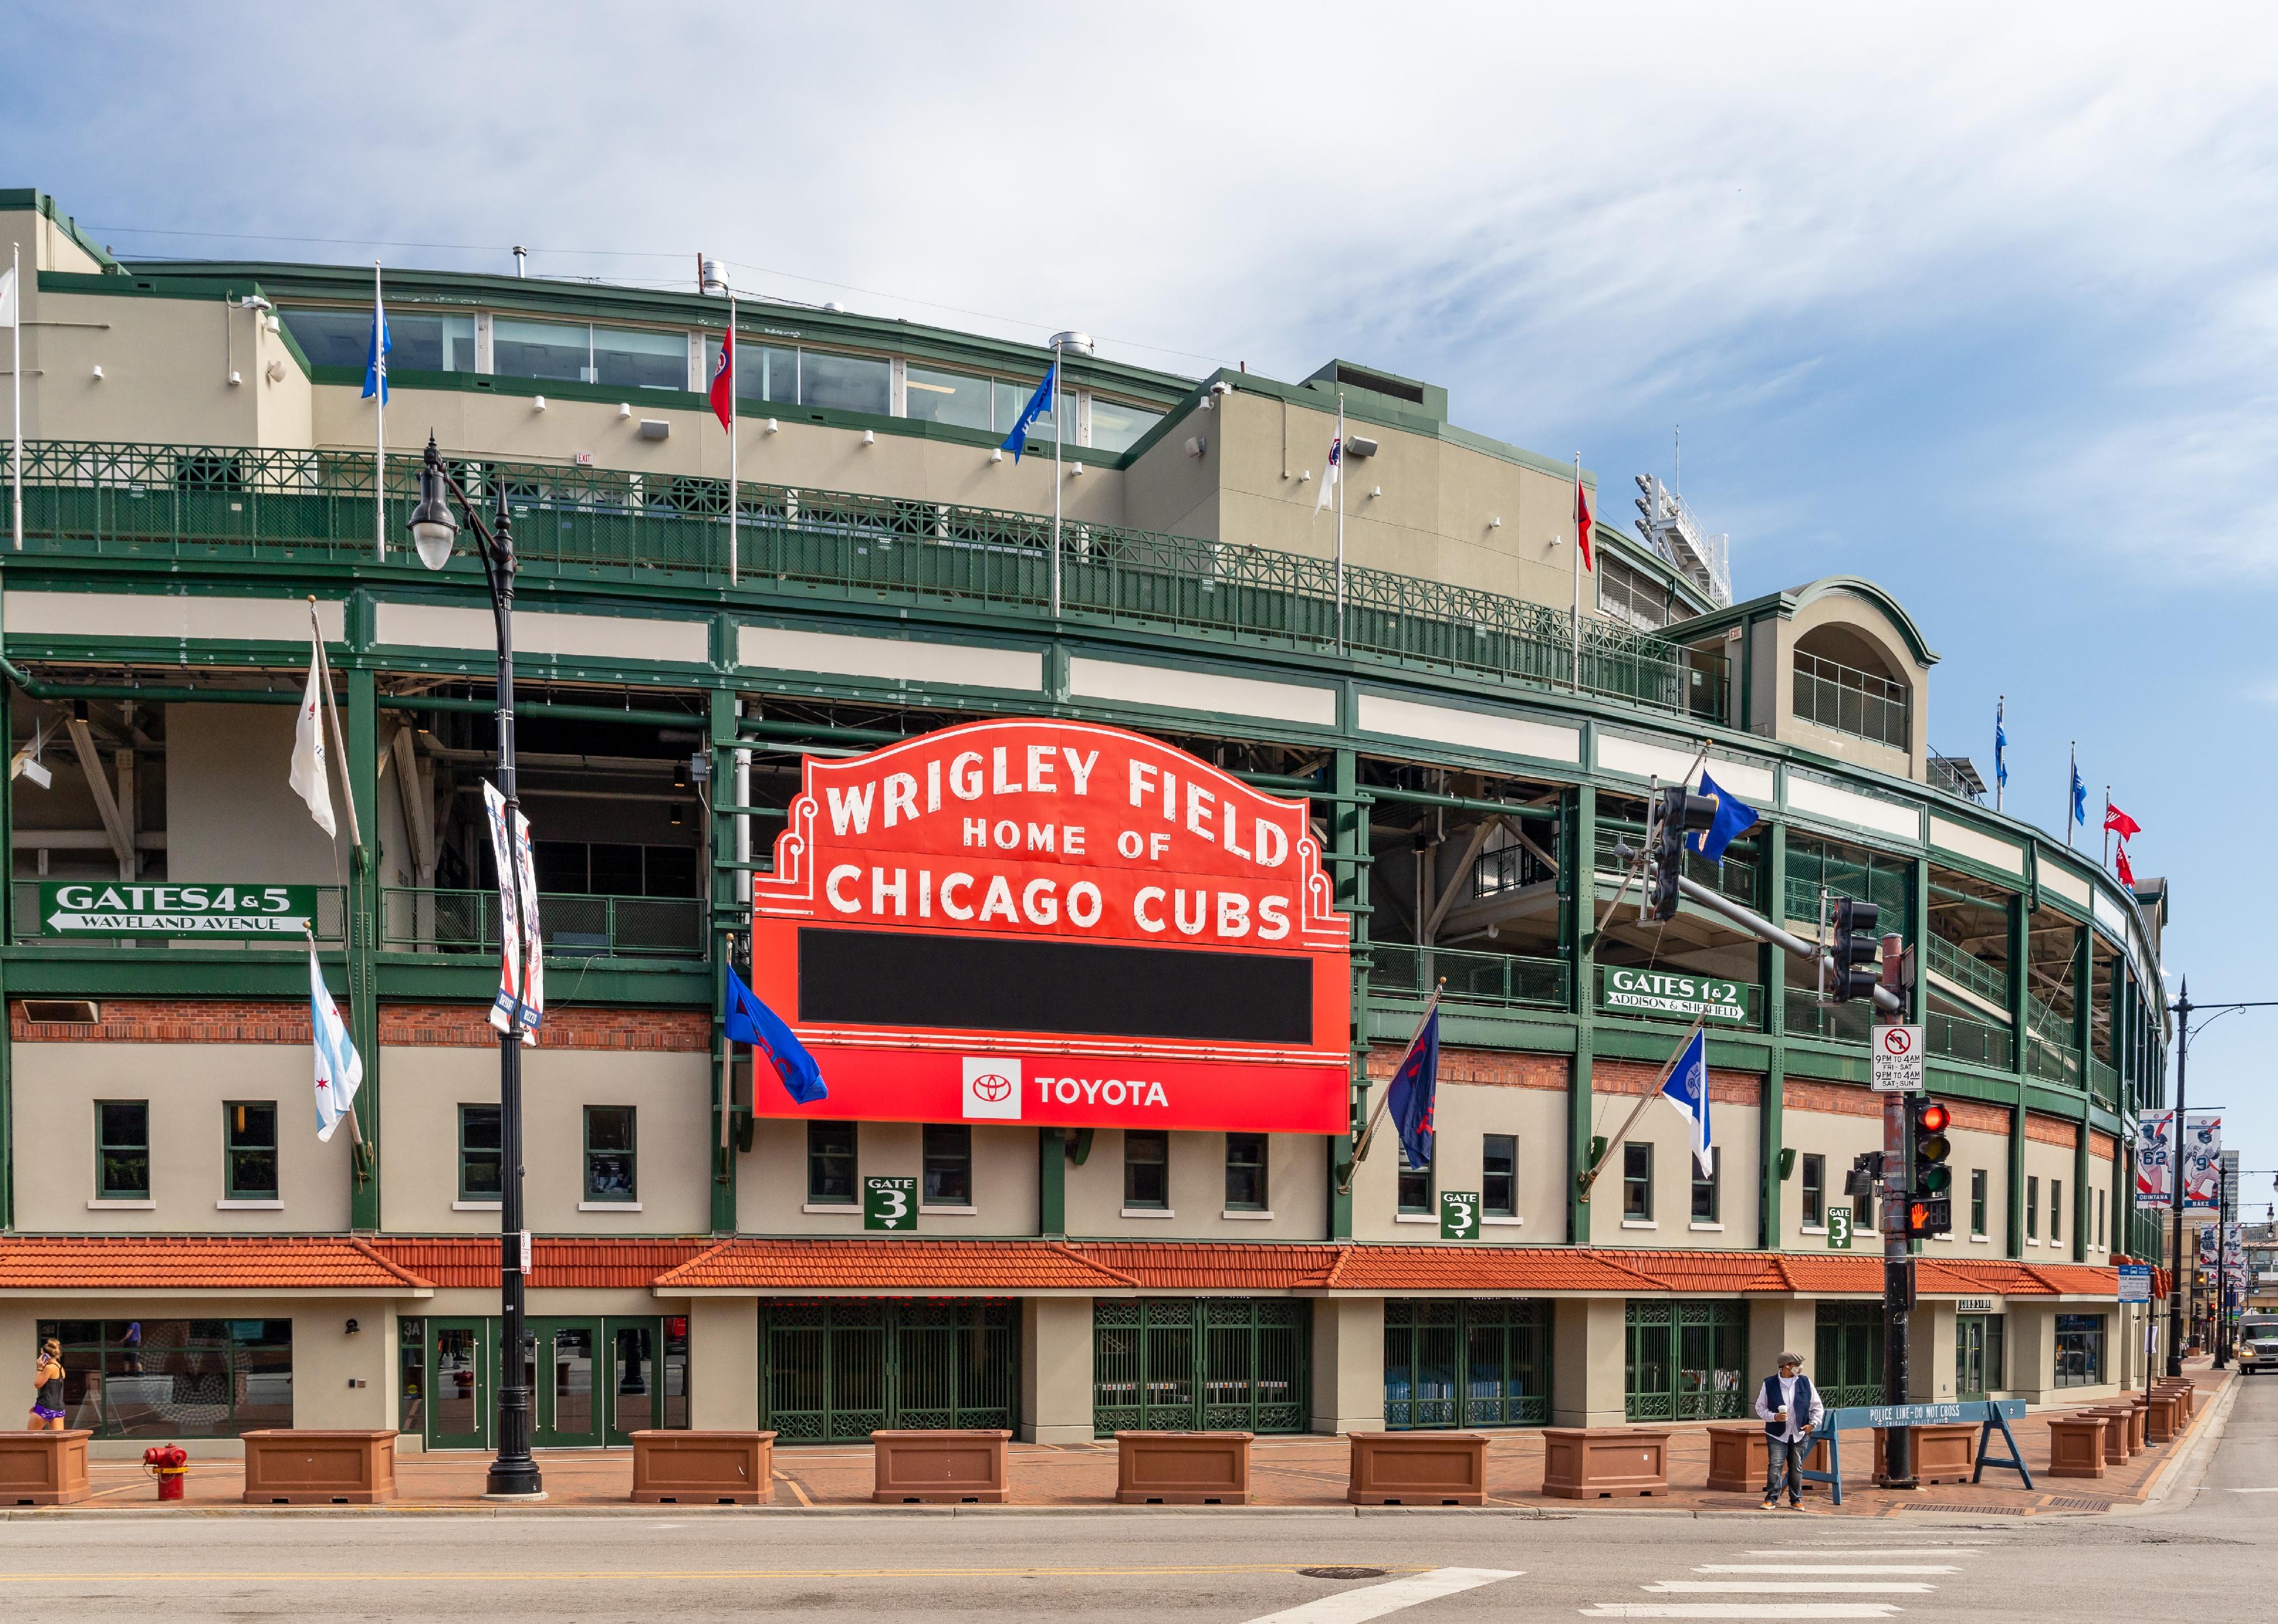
(1734, 818)
(2079, 798)
(750, 1021)
(1688, 1089)
(1413, 1088)
(1039, 403)
(375, 355)
(2000, 750)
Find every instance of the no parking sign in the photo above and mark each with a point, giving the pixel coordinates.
(1896, 1056)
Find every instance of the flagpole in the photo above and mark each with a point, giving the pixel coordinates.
(735, 422)
(1057, 415)
(355, 835)
(1574, 626)
(1339, 474)
(2071, 779)
(16, 339)
(1368, 1134)
(2107, 826)
(2000, 767)
(379, 429)
(1651, 1094)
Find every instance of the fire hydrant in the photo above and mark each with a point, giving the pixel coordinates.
(169, 1463)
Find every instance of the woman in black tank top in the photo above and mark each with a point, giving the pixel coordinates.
(47, 1389)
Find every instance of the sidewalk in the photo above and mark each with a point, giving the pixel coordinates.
(1296, 1472)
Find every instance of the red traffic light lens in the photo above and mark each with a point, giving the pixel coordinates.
(1933, 1118)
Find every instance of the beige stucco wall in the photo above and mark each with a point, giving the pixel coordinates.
(423, 1088)
(1865, 619)
(231, 814)
(723, 1364)
(1296, 1192)
(1462, 1115)
(165, 373)
(1348, 1364)
(1590, 1350)
(187, 1086)
(1055, 1370)
(1734, 1131)
(771, 1181)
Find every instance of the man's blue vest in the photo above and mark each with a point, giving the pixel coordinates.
(1799, 1407)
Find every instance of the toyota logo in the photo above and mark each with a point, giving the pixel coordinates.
(992, 1089)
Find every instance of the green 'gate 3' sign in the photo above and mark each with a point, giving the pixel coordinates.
(109, 908)
(890, 1204)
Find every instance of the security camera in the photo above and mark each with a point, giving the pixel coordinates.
(1221, 387)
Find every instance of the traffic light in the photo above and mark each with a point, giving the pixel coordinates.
(1931, 1211)
(1855, 947)
(1676, 815)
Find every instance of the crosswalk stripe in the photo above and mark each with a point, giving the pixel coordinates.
(1792, 1551)
(1849, 1587)
(1373, 1601)
(1821, 1568)
(1740, 1609)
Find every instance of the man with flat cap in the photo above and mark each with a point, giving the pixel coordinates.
(1790, 1407)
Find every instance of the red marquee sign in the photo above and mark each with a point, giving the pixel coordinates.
(1056, 924)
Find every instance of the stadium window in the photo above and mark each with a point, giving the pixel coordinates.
(249, 1134)
(1011, 395)
(1116, 427)
(1637, 1183)
(830, 1165)
(1978, 1203)
(479, 1143)
(561, 352)
(2033, 1210)
(948, 1154)
(635, 358)
(2099, 1219)
(1708, 1189)
(952, 398)
(416, 343)
(1499, 1176)
(1814, 1192)
(122, 1149)
(1415, 1192)
(610, 1145)
(767, 374)
(845, 383)
(1245, 1172)
(2056, 1210)
(1147, 1169)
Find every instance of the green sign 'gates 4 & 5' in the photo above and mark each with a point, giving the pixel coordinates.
(107, 908)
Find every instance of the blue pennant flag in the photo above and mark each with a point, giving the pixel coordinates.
(1039, 403)
(375, 355)
(750, 1021)
(1414, 1086)
(2000, 750)
(2079, 798)
(1734, 818)
(1688, 1089)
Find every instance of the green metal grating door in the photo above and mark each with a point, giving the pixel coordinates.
(835, 1372)
(1180, 1364)
(1847, 1354)
(1466, 1364)
(1685, 1360)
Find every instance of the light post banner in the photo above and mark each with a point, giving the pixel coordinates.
(2202, 1161)
(521, 969)
(2154, 1162)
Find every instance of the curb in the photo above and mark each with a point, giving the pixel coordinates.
(2164, 1483)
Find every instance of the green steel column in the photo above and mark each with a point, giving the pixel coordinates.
(362, 772)
(1051, 1183)
(731, 890)
(2021, 1002)
(1578, 857)
(2084, 1035)
(1771, 1227)
(7, 935)
(1348, 874)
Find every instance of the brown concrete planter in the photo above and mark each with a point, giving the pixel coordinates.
(1944, 1453)
(675, 1468)
(2077, 1446)
(44, 1468)
(923, 1467)
(1740, 1458)
(1418, 1468)
(2136, 1428)
(1597, 1463)
(1182, 1468)
(2115, 1433)
(2159, 1417)
(290, 1467)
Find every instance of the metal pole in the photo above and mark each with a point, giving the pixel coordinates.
(735, 422)
(1574, 624)
(1897, 1260)
(1057, 415)
(16, 339)
(2222, 1266)
(1338, 473)
(2175, 1179)
(379, 426)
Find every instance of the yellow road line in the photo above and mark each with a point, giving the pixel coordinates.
(555, 1575)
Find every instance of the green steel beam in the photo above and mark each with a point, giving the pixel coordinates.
(360, 771)
(1577, 862)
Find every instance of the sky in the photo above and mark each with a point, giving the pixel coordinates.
(1980, 302)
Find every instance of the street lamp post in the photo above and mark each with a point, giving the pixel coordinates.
(2182, 1007)
(434, 529)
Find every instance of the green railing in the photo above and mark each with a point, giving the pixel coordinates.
(2104, 1082)
(1889, 888)
(1472, 977)
(253, 505)
(1975, 1042)
(332, 911)
(2049, 1052)
(1735, 877)
(575, 926)
(1845, 699)
(1966, 970)
(1808, 1017)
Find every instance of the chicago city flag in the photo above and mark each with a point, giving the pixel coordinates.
(339, 1069)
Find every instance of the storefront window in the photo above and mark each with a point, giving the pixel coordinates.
(676, 1370)
(2080, 1350)
(167, 1379)
(412, 1385)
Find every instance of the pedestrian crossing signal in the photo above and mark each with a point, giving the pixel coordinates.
(1932, 1181)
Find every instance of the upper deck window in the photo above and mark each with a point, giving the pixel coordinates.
(956, 398)
(1116, 427)
(417, 342)
(579, 353)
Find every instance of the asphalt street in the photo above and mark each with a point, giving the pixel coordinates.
(2208, 1552)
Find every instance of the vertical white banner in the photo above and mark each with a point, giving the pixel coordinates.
(2154, 1159)
(521, 996)
(2200, 1159)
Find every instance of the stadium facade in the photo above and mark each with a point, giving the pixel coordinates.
(1450, 774)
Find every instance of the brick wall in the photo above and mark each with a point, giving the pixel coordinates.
(2050, 1131)
(410, 1025)
(1637, 1077)
(1834, 1099)
(1480, 1067)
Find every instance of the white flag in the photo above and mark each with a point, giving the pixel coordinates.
(8, 297)
(1330, 475)
(309, 780)
(339, 1069)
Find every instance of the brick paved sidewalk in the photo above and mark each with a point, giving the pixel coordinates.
(1285, 1472)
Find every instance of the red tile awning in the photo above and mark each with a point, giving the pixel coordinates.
(952, 1268)
(332, 1264)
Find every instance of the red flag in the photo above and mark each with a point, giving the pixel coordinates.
(1582, 518)
(723, 382)
(2125, 869)
(2120, 823)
